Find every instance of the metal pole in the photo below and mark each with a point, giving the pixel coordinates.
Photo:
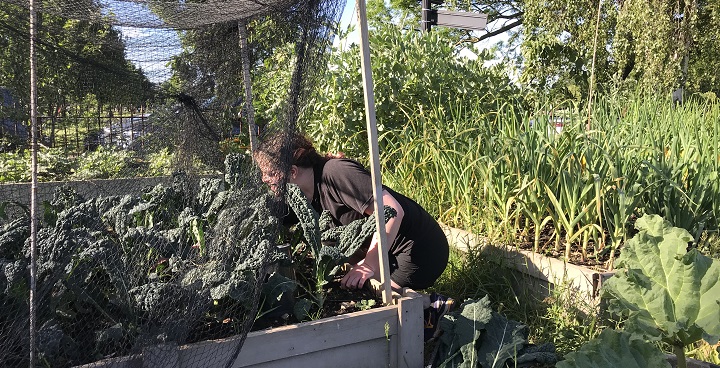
(425, 22)
(374, 153)
(33, 186)
(242, 28)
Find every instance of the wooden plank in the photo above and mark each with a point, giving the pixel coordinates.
(294, 340)
(545, 269)
(410, 330)
(129, 361)
(372, 133)
(161, 356)
(369, 339)
(367, 354)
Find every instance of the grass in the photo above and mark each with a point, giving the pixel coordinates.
(563, 317)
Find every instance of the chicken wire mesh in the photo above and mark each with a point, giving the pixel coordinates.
(155, 231)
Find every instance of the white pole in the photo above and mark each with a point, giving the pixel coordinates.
(252, 129)
(33, 186)
(374, 154)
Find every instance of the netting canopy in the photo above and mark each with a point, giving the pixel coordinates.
(154, 228)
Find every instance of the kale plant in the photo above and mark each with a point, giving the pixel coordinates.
(119, 273)
(330, 246)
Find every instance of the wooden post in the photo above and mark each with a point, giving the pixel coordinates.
(33, 187)
(383, 246)
(410, 330)
(77, 129)
(252, 129)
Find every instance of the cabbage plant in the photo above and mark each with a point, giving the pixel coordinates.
(616, 349)
(667, 292)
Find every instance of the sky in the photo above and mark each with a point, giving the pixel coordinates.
(153, 60)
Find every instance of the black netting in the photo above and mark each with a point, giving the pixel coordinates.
(155, 230)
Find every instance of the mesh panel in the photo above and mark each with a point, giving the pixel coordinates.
(154, 228)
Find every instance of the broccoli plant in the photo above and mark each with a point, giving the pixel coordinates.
(667, 292)
(476, 336)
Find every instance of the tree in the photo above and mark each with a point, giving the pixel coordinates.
(76, 58)
(660, 45)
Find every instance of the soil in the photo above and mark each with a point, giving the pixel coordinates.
(595, 256)
(337, 302)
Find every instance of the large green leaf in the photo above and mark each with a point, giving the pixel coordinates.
(461, 329)
(615, 349)
(503, 339)
(667, 292)
(475, 336)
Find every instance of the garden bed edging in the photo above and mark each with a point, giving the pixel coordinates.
(544, 273)
(389, 336)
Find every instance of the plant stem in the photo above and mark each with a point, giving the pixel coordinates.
(679, 351)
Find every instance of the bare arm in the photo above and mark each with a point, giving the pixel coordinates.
(370, 266)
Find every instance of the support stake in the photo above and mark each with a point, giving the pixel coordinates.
(374, 154)
(33, 186)
(242, 28)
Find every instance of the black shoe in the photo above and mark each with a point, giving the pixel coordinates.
(439, 305)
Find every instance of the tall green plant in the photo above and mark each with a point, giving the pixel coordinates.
(412, 72)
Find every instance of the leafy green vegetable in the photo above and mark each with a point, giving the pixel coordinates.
(667, 292)
(309, 218)
(141, 269)
(475, 336)
(318, 230)
(614, 349)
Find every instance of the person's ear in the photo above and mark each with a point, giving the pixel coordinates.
(293, 171)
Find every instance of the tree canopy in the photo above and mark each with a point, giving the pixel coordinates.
(76, 59)
(659, 45)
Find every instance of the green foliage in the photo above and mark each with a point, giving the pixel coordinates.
(667, 292)
(475, 336)
(14, 167)
(616, 349)
(318, 231)
(491, 172)
(330, 246)
(103, 163)
(160, 163)
(208, 69)
(141, 269)
(75, 59)
(55, 164)
(659, 45)
(404, 85)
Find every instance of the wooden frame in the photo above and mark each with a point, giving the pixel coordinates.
(545, 272)
(390, 336)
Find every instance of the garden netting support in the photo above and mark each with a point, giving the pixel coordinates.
(154, 229)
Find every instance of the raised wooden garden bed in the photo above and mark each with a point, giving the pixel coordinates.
(390, 336)
(542, 273)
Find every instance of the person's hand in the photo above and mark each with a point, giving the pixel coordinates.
(356, 277)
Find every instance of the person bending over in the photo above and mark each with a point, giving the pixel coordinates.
(419, 249)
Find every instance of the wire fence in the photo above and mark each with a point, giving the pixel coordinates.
(78, 128)
(129, 266)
